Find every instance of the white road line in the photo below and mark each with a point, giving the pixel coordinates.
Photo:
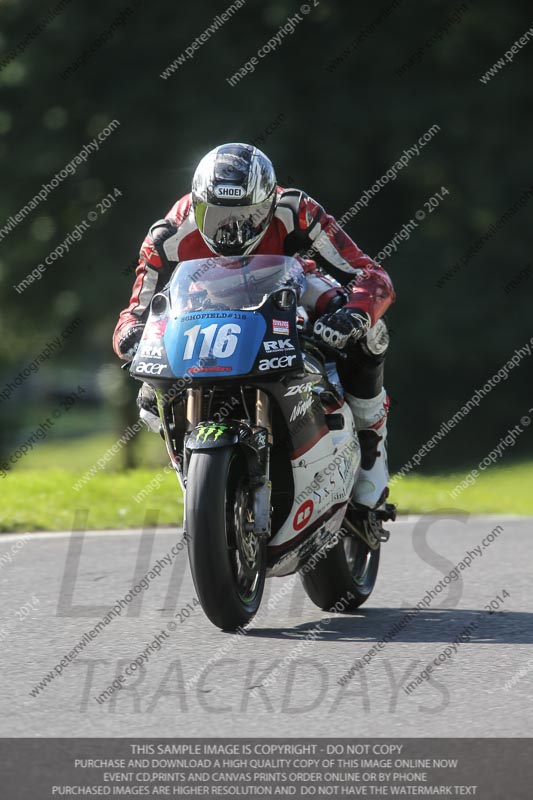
(407, 519)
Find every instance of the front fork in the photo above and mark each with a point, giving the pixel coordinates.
(258, 457)
(263, 492)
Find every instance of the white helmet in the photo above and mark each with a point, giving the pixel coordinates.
(234, 197)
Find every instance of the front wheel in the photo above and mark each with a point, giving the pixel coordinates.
(345, 575)
(228, 561)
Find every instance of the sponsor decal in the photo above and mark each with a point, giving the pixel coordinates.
(339, 497)
(151, 350)
(261, 440)
(146, 368)
(278, 345)
(227, 190)
(301, 408)
(280, 326)
(206, 432)
(199, 315)
(156, 327)
(321, 495)
(280, 362)
(216, 368)
(303, 515)
(300, 388)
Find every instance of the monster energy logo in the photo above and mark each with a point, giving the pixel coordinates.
(213, 431)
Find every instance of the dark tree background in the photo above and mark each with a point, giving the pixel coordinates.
(335, 115)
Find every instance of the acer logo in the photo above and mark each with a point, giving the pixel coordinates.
(145, 368)
(276, 363)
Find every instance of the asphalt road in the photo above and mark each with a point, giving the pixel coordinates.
(201, 681)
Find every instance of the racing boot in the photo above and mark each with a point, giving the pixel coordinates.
(370, 416)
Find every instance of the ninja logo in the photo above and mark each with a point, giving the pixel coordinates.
(301, 408)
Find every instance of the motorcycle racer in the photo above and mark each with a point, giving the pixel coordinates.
(236, 208)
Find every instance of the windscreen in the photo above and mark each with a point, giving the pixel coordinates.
(222, 283)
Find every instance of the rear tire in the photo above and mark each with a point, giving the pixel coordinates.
(347, 574)
(228, 562)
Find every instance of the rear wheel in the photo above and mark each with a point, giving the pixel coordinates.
(346, 574)
(228, 561)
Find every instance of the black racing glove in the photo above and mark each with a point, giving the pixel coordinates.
(129, 343)
(346, 326)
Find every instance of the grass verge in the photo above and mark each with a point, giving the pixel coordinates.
(39, 497)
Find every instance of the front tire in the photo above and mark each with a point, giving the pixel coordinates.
(346, 574)
(228, 562)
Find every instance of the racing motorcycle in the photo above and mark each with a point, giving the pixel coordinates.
(262, 442)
